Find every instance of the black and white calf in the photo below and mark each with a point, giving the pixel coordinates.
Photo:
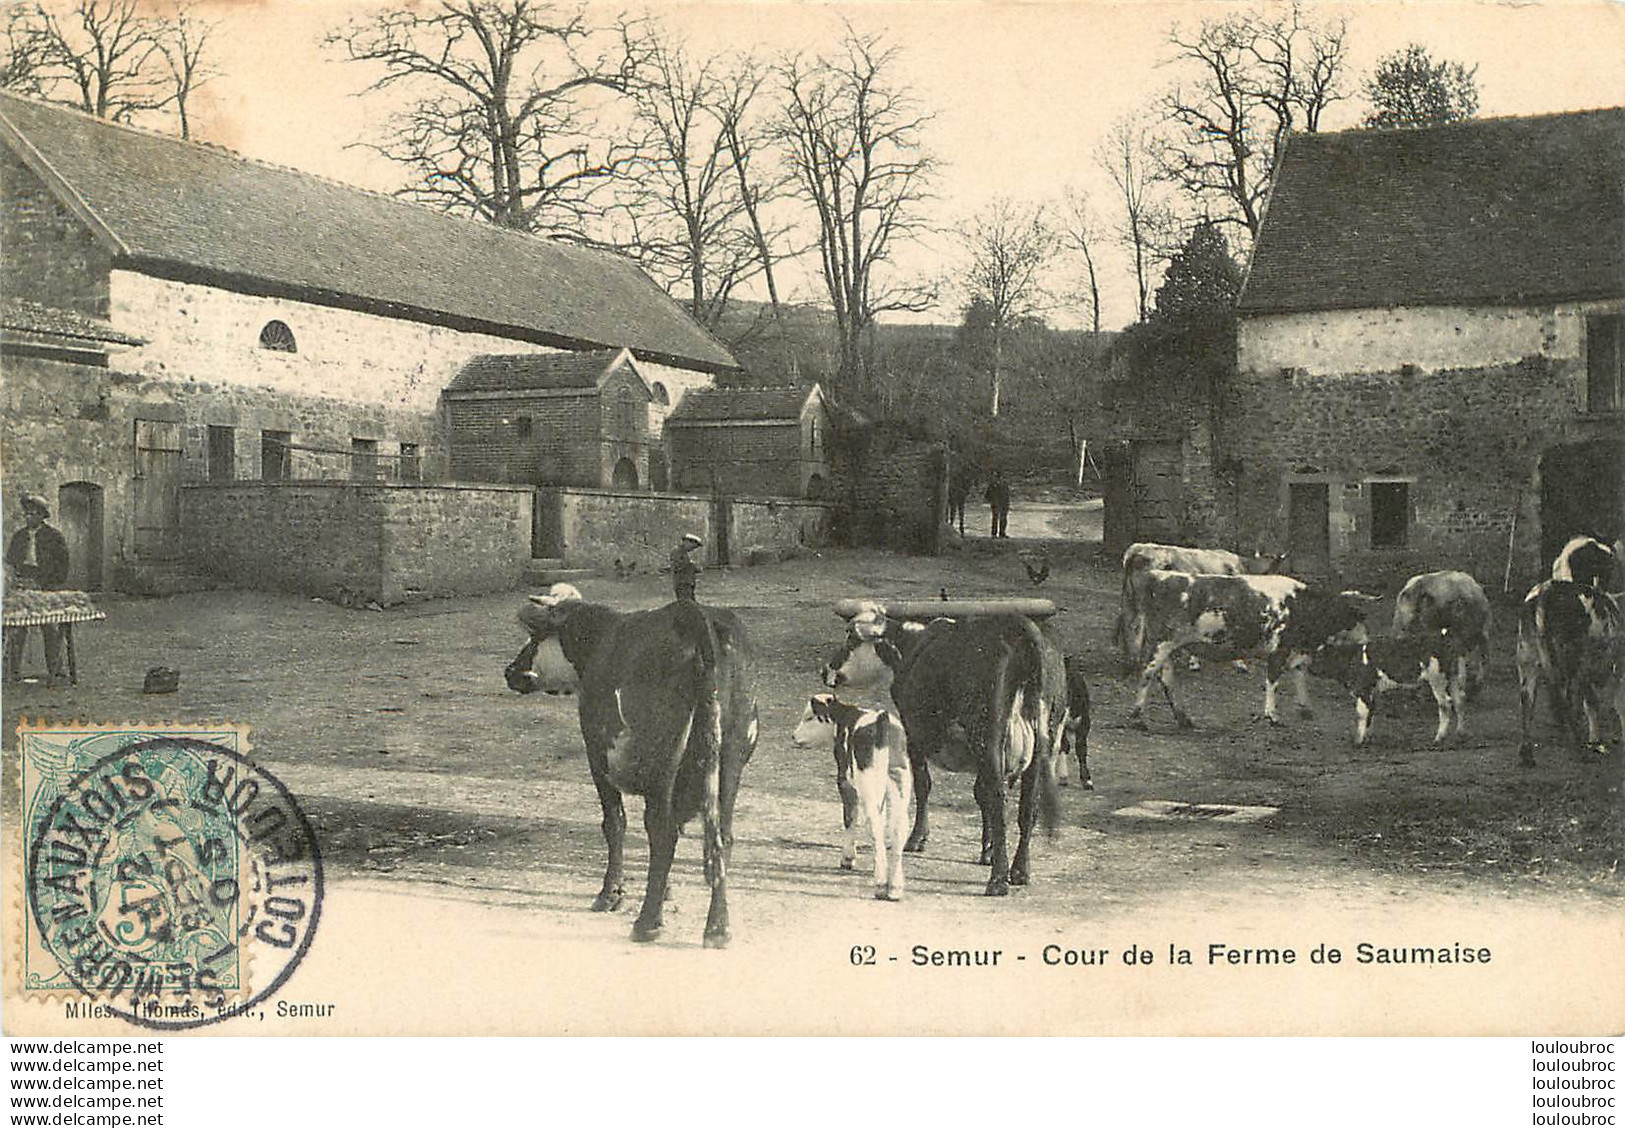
(1587, 560)
(871, 772)
(1436, 660)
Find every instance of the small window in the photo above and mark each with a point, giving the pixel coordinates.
(812, 437)
(277, 337)
(276, 456)
(364, 460)
(624, 426)
(222, 454)
(1605, 360)
(520, 427)
(1390, 514)
(411, 470)
(662, 396)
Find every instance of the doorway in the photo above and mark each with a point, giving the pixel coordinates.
(1309, 540)
(157, 488)
(624, 476)
(1582, 493)
(80, 506)
(1156, 491)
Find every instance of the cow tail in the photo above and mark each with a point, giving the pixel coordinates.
(1026, 663)
(708, 705)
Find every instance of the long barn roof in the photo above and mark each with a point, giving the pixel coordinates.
(1496, 211)
(194, 212)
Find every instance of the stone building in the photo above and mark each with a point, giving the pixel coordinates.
(1429, 350)
(754, 441)
(176, 315)
(565, 419)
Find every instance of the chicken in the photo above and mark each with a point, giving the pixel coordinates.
(1037, 568)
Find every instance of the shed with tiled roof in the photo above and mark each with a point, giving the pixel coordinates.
(772, 441)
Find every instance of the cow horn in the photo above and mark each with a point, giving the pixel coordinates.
(870, 621)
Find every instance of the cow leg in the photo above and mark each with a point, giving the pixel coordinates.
(871, 785)
(614, 824)
(979, 789)
(1274, 667)
(1363, 703)
(1026, 817)
(1300, 686)
(1435, 679)
(717, 934)
(921, 772)
(1592, 705)
(1528, 690)
(899, 789)
(661, 826)
(849, 813)
(990, 794)
(1154, 668)
(1181, 718)
(1460, 691)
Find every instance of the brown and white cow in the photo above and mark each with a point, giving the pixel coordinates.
(1435, 659)
(1452, 602)
(1277, 618)
(872, 774)
(668, 712)
(985, 695)
(1587, 560)
(1571, 638)
(1146, 556)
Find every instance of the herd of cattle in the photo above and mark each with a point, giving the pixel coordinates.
(668, 710)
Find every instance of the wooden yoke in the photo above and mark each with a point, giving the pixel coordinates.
(926, 609)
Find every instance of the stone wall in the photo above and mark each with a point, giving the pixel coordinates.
(593, 528)
(893, 490)
(734, 459)
(1352, 398)
(775, 528)
(355, 543)
(50, 256)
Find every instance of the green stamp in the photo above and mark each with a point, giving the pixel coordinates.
(168, 875)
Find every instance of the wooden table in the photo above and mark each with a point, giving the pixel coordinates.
(31, 607)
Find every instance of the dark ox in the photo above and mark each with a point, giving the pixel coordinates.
(1587, 560)
(1449, 602)
(1435, 659)
(1570, 638)
(1276, 618)
(985, 695)
(871, 770)
(1142, 558)
(668, 712)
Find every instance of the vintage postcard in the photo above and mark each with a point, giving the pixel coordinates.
(773, 519)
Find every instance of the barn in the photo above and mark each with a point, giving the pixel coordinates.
(185, 329)
(1428, 350)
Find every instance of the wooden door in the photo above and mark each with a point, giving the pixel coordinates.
(1309, 526)
(79, 505)
(157, 488)
(1156, 491)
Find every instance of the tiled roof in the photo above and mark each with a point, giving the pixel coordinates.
(532, 372)
(1497, 211)
(755, 405)
(32, 317)
(180, 209)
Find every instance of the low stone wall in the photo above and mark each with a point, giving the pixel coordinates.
(593, 528)
(774, 528)
(358, 542)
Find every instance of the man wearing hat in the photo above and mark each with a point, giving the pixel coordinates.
(38, 558)
(684, 570)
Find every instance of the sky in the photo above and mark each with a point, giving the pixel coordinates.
(1022, 93)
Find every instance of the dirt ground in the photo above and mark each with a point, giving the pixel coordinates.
(418, 766)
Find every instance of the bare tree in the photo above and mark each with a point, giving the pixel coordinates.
(695, 194)
(24, 52)
(1408, 90)
(182, 41)
(1256, 76)
(1008, 248)
(748, 134)
(97, 55)
(1079, 232)
(852, 137)
(499, 123)
(1126, 156)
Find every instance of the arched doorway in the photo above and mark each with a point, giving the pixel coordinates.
(815, 487)
(624, 476)
(1581, 493)
(79, 507)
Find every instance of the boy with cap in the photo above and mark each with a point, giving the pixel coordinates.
(684, 570)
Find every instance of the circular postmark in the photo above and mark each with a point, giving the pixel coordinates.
(176, 880)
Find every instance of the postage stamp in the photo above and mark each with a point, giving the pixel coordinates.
(169, 878)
